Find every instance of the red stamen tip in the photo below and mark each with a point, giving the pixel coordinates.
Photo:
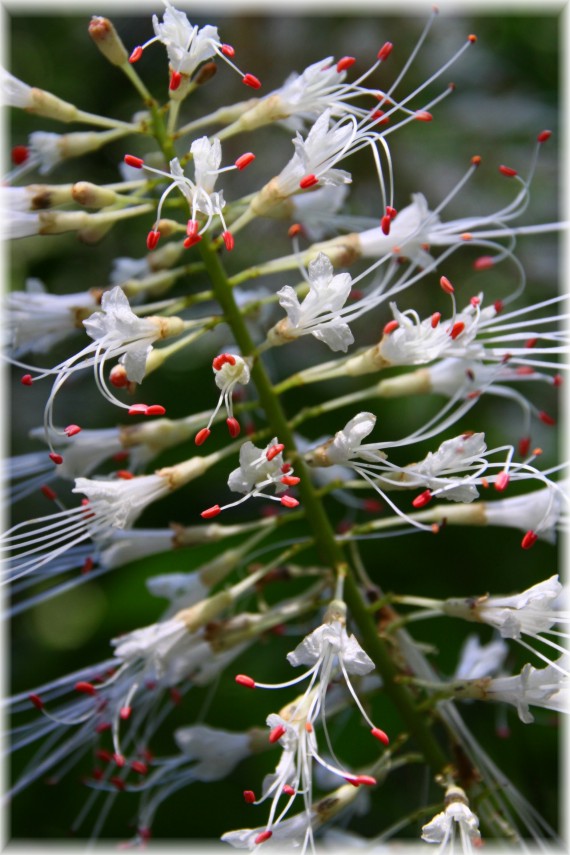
(155, 410)
(277, 733)
(125, 475)
(85, 688)
(138, 766)
(48, 492)
(88, 566)
(529, 540)
(366, 780)
(545, 418)
(251, 80)
(381, 735)
(288, 790)
(118, 377)
(261, 838)
(228, 50)
(56, 458)
(244, 680)
(524, 446)
(228, 240)
(422, 499)
(391, 212)
(543, 136)
(26, 380)
(557, 380)
(294, 230)
(20, 154)
(476, 160)
(233, 427)
(221, 359)
(211, 512)
(244, 160)
(72, 430)
(435, 319)
(457, 329)
(506, 170)
(390, 327)
(471, 38)
(138, 410)
(446, 285)
(175, 81)
(37, 701)
(502, 481)
(152, 239)
(308, 181)
(385, 51)
(424, 116)
(136, 54)
(290, 480)
(385, 224)
(344, 63)
(274, 451)
(248, 797)
(498, 306)
(131, 160)
(484, 262)
(289, 502)
(474, 301)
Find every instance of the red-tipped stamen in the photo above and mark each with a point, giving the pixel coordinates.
(131, 160)
(385, 51)
(277, 733)
(274, 451)
(72, 430)
(524, 446)
(155, 410)
(37, 701)
(502, 481)
(456, 330)
(289, 790)
(244, 680)
(381, 735)
(138, 410)
(364, 780)
(175, 81)
(202, 436)
(546, 419)
(228, 50)
(56, 458)
(390, 327)
(48, 492)
(251, 80)
(26, 380)
(435, 319)
(289, 502)
(344, 63)
(138, 766)
(308, 181)
(244, 160)
(152, 239)
(248, 797)
(136, 54)
(211, 512)
(290, 480)
(543, 136)
(476, 160)
(85, 688)
(261, 838)
(228, 240)
(423, 116)
(385, 223)
(20, 154)
(529, 539)
(472, 38)
(233, 427)
(422, 499)
(506, 170)
(446, 285)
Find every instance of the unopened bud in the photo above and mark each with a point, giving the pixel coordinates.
(107, 40)
(92, 196)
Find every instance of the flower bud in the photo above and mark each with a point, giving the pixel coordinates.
(107, 40)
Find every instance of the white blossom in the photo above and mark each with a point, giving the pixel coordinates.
(457, 818)
(215, 751)
(548, 688)
(478, 660)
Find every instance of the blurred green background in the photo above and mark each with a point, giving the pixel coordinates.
(507, 91)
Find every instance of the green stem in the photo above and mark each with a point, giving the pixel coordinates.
(330, 551)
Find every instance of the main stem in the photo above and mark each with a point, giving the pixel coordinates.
(330, 551)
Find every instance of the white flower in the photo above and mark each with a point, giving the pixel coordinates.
(346, 443)
(540, 511)
(478, 660)
(153, 643)
(453, 455)
(186, 46)
(410, 234)
(317, 211)
(293, 831)
(229, 370)
(37, 320)
(15, 93)
(119, 502)
(328, 640)
(527, 613)
(16, 223)
(128, 268)
(256, 470)
(318, 314)
(216, 751)
(548, 688)
(456, 818)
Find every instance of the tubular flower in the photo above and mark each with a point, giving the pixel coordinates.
(229, 370)
(456, 820)
(548, 688)
(318, 314)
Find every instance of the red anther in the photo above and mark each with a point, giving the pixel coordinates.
(381, 735)
(446, 285)
(484, 262)
(391, 212)
(261, 838)
(385, 223)
(119, 760)
(352, 781)
(371, 506)
(476, 160)
(546, 419)
(530, 342)
(118, 377)
(192, 228)
(274, 450)
(471, 38)
(435, 319)
(233, 427)
(484, 483)
(423, 116)
(211, 512)
(524, 446)
(248, 797)
(228, 50)
(475, 301)
(155, 410)
(244, 160)
(536, 452)
(202, 436)
(308, 727)
(175, 696)
(543, 136)
(524, 370)
(221, 359)
(506, 170)
(152, 239)
(131, 160)
(175, 81)
(422, 499)
(290, 480)
(390, 327)
(103, 726)
(117, 782)
(557, 380)
(529, 539)
(139, 767)
(251, 80)
(104, 755)
(288, 790)
(498, 306)
(277, 733)
(88, 565)
(20, 154)
(191, 241)
(72, 430)
(48, 492)
(244, 680)
(37, 701)
(385, 51)
(85, 688)
(26, 380)
(125, 713)
(136, 54)
(56, 458)
(380, 117)
(502, 481)
(457, 329)
(289, 502)
(473, 395)
(228, 240)
(286, 468)
(308, 181)
(138, 410)
(344, 63)
(466, 236)
(366, 780)
(124, 474)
